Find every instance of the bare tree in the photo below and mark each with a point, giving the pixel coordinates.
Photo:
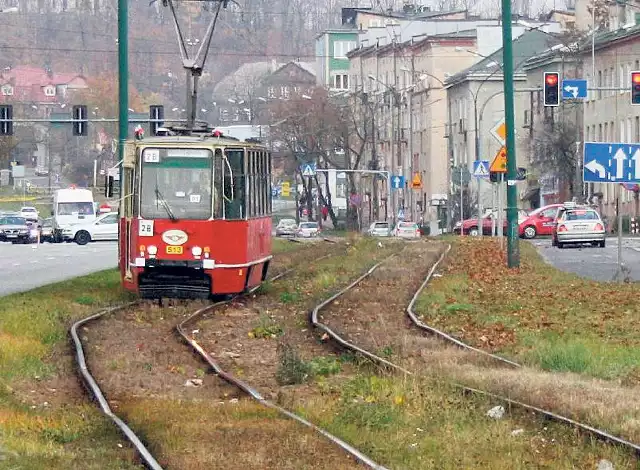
(313, 129)
(555, 152)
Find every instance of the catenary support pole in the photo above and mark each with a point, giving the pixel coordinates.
(123, 81)
(513, 248)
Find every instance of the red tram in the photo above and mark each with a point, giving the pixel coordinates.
(195, 215)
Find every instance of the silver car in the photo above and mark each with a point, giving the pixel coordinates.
(308, 230)
(380, 229)
(407, 230)
(577, 225)
(286, 227)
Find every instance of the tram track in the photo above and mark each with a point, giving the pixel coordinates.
(148, 459)
(416, 323)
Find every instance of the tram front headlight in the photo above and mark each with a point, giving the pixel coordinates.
(196, 251)
(152, 250)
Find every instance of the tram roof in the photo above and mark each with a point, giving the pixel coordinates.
(197, 139)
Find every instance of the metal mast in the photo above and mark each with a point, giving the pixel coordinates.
(194, 65)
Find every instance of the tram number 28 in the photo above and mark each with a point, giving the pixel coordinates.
(145, 228)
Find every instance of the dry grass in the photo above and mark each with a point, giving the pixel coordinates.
(230, 435)
(536, 314)
(419, 423)
(45, 421)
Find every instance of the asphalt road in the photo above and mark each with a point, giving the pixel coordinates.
(600, 264)
(24, 267)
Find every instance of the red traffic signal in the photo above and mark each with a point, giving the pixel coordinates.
(551, 89)
(635, 87)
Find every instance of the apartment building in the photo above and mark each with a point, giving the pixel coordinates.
(405, 83)
(477, 105)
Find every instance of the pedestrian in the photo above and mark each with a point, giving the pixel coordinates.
(325, 213)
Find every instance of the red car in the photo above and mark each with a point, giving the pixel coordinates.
(540, 221)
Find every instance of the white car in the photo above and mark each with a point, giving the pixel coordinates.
(308, 230)
(104, 227)
(407, 230)
(29, 213)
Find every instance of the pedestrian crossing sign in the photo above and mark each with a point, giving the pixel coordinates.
(308, 169)
(481, 168)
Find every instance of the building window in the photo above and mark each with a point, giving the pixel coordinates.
(49, 91)
(341, 81)
(637, 132)
(340, 48)
(7, 90)
(284, 92)
(271, 92)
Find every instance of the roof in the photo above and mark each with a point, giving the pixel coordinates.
(378, 49)
(245, 78)
(411, 15)
(309, 67)
(602, 40)
(524, 47)
(28, 83)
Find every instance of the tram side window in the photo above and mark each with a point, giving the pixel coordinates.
(234, 194)
(218, 171)
(130, 209)
(270, 206)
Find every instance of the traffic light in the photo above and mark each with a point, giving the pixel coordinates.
(108, 186)
(6, 119)
(551, 88)
(635, 87)
(156, 118)
(80, 122)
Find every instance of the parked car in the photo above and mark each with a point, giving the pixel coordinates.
(540, 222)
(14, 229)
(41, 171)
(286, 227)
(380, 229)
(29, 213)
(308, 230)
(46, 230)
(471, 226)
(407, 230)
(578, 224)
(104, 227)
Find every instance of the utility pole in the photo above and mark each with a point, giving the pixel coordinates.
(395, 134)
(477, 152)
(411, 169)
(513, 248)
(123, 83)
(449, 168)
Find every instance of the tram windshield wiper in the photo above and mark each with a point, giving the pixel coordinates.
(165, 204)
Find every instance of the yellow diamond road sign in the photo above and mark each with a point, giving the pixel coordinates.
(499, 131)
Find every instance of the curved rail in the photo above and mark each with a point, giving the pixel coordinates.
(182, 330)
(598, 433)
(91, 382)
(441, 334)
(149, 460)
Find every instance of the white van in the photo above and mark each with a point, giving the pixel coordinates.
(71, 206)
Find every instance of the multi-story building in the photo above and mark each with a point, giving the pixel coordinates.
(406, 84)
(606, 115)
(477, 102)
(332, 63)
(242, 96)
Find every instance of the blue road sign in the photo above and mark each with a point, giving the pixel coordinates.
(572, 89)
(401, 214)
(397, 182)
(481, 168)
(611, 163)
(308, 169)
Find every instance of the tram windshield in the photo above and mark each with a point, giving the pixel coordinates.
(176, 183)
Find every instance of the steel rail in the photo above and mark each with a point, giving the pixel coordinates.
(598, 433)
(441, 334)
(91, 382)
(254, 394)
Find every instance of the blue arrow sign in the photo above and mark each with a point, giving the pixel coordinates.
(611, 163)
(481, 168)
(397, 182)
(308, 169)
(573, 89)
